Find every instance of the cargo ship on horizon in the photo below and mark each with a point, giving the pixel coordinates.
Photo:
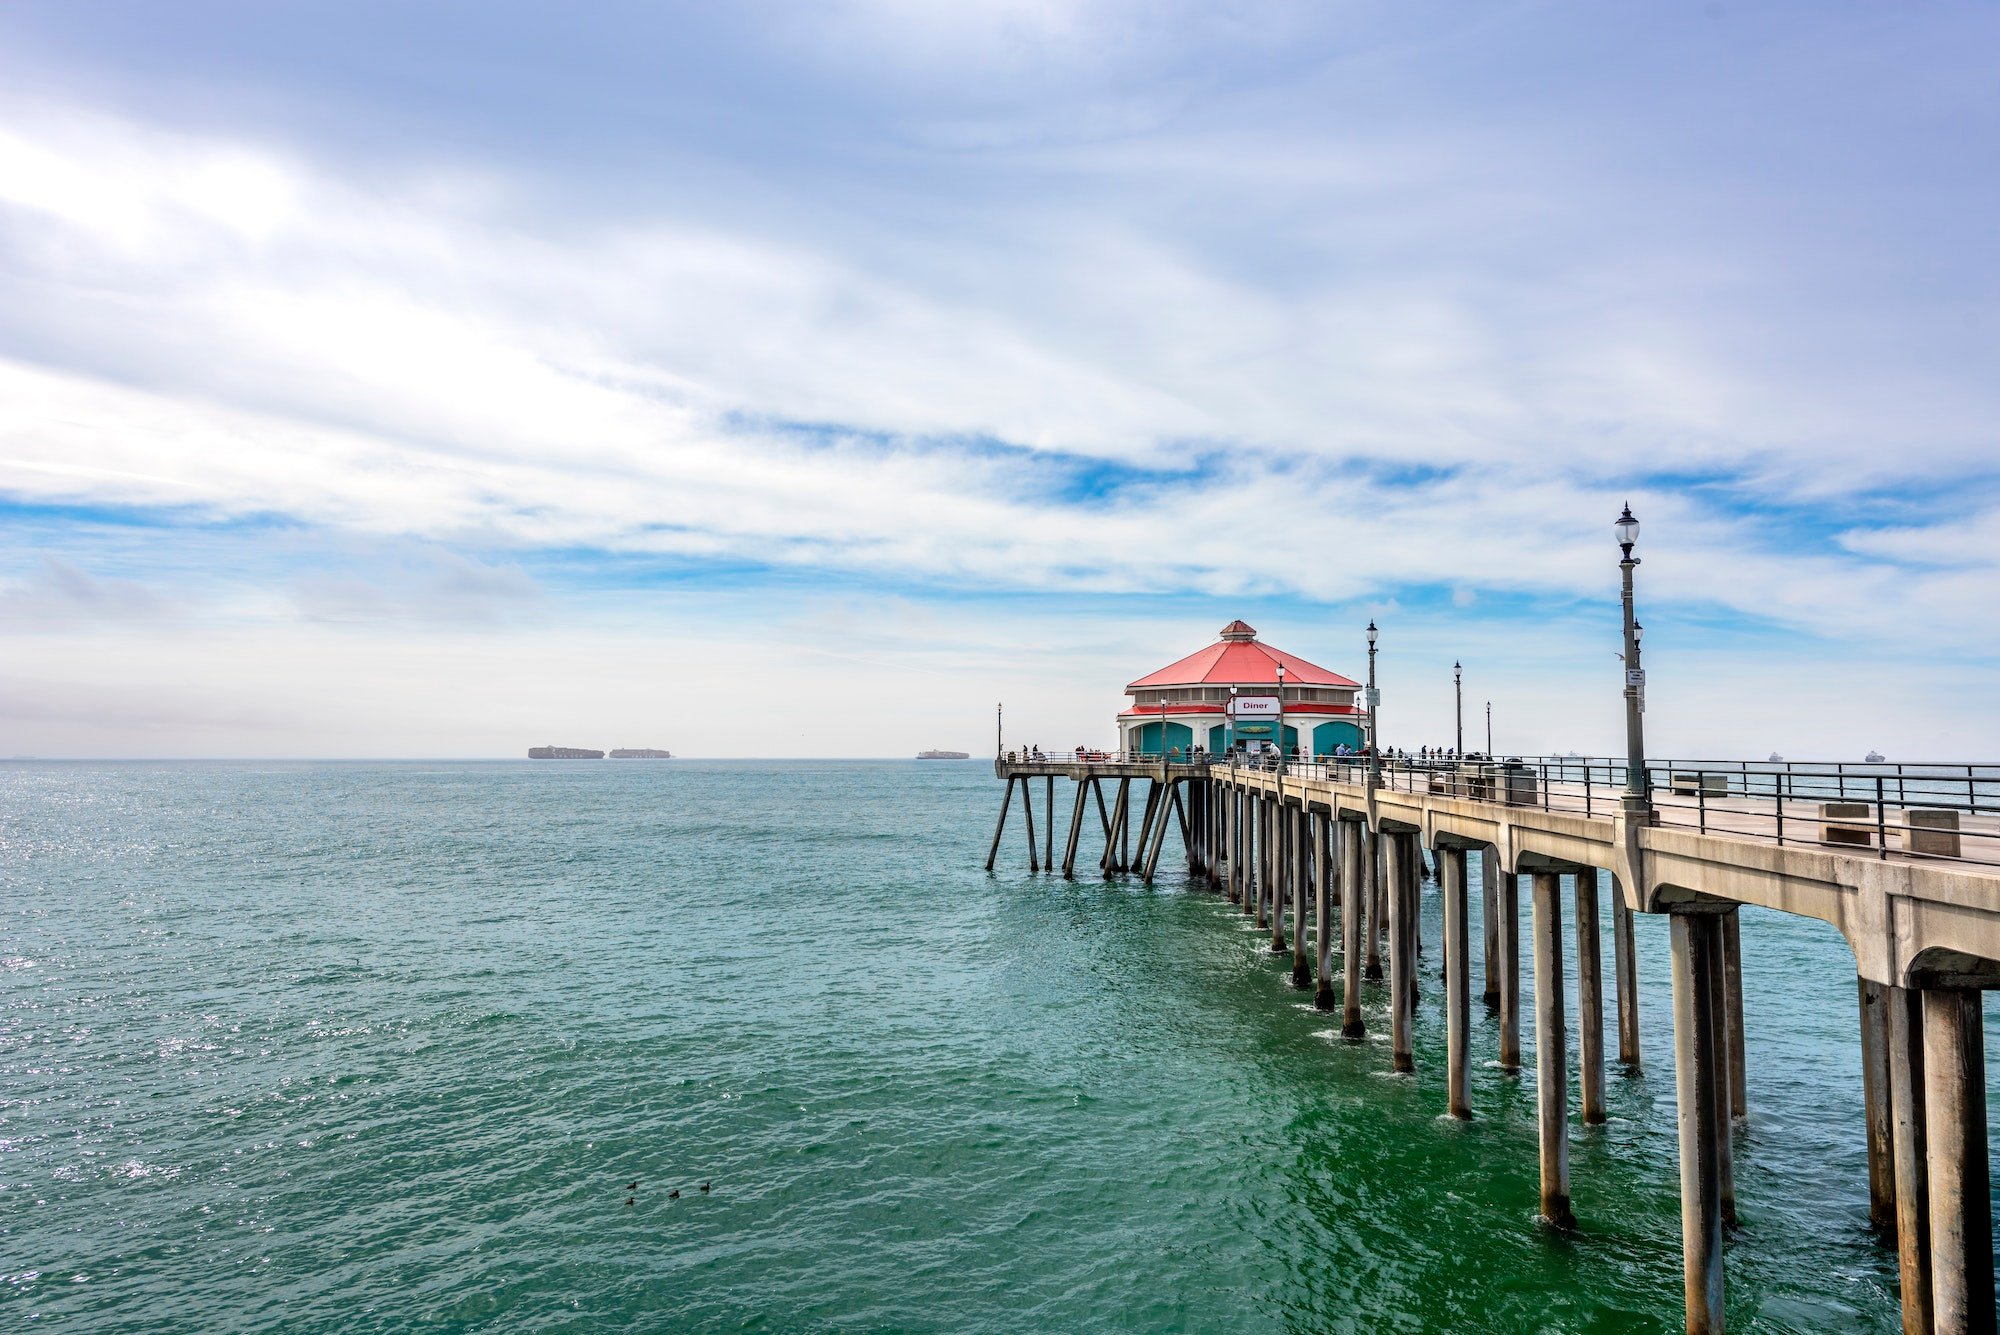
(944, 755)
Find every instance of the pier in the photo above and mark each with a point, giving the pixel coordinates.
(1904, 861)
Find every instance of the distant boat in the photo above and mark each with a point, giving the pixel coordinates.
(563, 753)
(1875, 758)
(640, 753)
(1775, 759)
(944, 755)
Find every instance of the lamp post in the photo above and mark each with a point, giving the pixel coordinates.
(1636, 803)
(1489, 730)
(1458, 698)
(1229, 733)
(1374, 741)
(999, 732)
(1281, 720)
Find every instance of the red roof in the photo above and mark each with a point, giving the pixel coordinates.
(1239, 659)
(1292, 710)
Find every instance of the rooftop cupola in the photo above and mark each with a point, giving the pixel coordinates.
(1239, 631)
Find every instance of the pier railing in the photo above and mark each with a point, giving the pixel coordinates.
(1949, 812)
(1944, 811)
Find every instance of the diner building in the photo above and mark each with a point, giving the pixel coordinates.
(1186, 704)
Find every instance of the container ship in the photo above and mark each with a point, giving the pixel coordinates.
(641, 753)
(944, 755)
(563, 753)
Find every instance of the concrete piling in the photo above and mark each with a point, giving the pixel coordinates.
(1551, 1048)
(1877, 1114)
(1028, 814)
(1457, 982)
(1489, 922)
(1397, 852)
(1076, 815)
(1697, 951)
(1625, 961)
(1283, 855)
(1732, 974)
(1908, 1133)
(1507, 896)
(1302, 870)
(1325, 830)
(1589, 999)
(1377, 906)
(1049, 830)
(1354, 861)
(1000, 826)
(1725, 1150)
(1961, 1196)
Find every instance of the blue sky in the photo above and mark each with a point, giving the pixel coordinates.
(386, 379)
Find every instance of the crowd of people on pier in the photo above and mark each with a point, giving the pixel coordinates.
(1250, 753)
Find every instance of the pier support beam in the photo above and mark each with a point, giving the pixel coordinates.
(1732, 973)
(1457, 981)
(1725, 1148)
(1551, 1049)
(1378, 902)
(1961, 1194)
(1114, 839)
(1908, 1131)
(1263, 859)
(1698, 1040)
(1237, 846)
(1283, 856)
(1878, 1117)
(1507, 895)
(1354, 860)
(1000, 826)
(1625, 960)
(1398, 850)
(1413, 919)
(1325, 830)
(1028, 814)
(1168, 804)
(1303, 861)
(1076, 816)
(1589, 999)
(1049, 831)
(1489, 923)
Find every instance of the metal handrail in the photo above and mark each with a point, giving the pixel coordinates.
(1942, 812)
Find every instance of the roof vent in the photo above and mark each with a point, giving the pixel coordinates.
(1239, 630)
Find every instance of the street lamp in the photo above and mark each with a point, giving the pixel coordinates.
(1374, 741)
(1636, 804)
(1458, 696)
(1229, 734)
(1281, 720)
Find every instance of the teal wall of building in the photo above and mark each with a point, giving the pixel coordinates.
(1218, 739)
(1178, 735)
(1327, 736)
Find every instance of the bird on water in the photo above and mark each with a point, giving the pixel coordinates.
(674, 1195)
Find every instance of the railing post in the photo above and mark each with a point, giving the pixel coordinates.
(1701, 797)
(1881, 821)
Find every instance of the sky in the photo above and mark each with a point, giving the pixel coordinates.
(440, 379)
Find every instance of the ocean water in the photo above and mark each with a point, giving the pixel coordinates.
(382, 1047)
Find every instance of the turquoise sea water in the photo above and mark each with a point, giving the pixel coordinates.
(359, 1047)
